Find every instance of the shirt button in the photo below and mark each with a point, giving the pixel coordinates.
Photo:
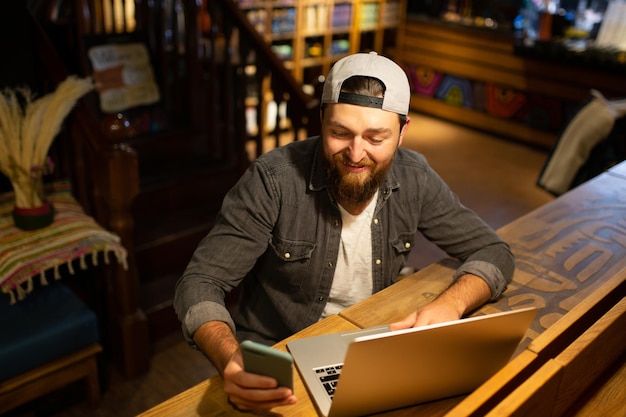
(378, 262)
(287, 255)
(375, 221)
(407, 245)
(330, 264)
(336, 223)
(320, 299)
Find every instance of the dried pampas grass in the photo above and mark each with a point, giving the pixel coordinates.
(27, 129)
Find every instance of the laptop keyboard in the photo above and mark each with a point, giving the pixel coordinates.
(328, 376)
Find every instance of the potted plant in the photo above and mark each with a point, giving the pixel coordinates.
(27, 128)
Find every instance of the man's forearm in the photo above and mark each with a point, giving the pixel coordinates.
(468, 293)
(216, 340)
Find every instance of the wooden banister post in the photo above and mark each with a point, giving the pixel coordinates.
(119, 185)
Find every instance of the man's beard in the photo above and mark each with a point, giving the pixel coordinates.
(350, 187)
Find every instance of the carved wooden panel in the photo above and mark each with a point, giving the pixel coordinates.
(567, 249)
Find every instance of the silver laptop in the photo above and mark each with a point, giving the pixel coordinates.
(366, 371)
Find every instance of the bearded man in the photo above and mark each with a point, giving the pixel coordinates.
(320, 224)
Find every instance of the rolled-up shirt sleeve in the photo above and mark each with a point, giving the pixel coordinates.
(488, 272)
(201, 313)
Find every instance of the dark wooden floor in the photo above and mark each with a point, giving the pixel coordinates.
(494, 177)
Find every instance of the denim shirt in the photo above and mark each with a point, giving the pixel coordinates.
(278, 234)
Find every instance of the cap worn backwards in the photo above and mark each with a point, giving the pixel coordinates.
(397, 95)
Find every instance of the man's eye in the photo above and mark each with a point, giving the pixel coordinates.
(376, 141)
(339, 134)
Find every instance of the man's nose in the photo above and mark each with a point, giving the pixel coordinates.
(356, 149)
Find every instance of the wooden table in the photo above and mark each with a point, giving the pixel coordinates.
(565, 251)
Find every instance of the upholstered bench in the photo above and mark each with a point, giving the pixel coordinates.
(47, 340)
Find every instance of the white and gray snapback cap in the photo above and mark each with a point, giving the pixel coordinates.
(397, 95)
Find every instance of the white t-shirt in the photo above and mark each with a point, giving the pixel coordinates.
(353, 273)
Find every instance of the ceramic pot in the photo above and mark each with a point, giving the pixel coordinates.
(33, 218)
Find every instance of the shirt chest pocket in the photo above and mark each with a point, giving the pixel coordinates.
(289, 263)
(292, 251)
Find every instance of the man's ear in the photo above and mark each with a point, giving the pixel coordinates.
(404, 129)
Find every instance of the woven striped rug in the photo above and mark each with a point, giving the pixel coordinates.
(28, 255)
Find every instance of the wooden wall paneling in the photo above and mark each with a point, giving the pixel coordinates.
(589, 356)
(497, 388)
(534, 397)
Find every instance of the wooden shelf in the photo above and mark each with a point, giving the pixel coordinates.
(482, 121)
(326, 21)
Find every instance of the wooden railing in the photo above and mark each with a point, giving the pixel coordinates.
(270, 75)
(212, 65)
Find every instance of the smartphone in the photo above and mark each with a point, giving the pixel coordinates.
(265, 360)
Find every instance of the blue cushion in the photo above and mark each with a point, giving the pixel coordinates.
(47, 324)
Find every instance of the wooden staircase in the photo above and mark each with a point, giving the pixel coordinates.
(160, 190)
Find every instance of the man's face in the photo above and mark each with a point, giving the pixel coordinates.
(359, 146)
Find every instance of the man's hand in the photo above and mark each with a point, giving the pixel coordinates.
(429, 314)
(246, 391)
(466, 294)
